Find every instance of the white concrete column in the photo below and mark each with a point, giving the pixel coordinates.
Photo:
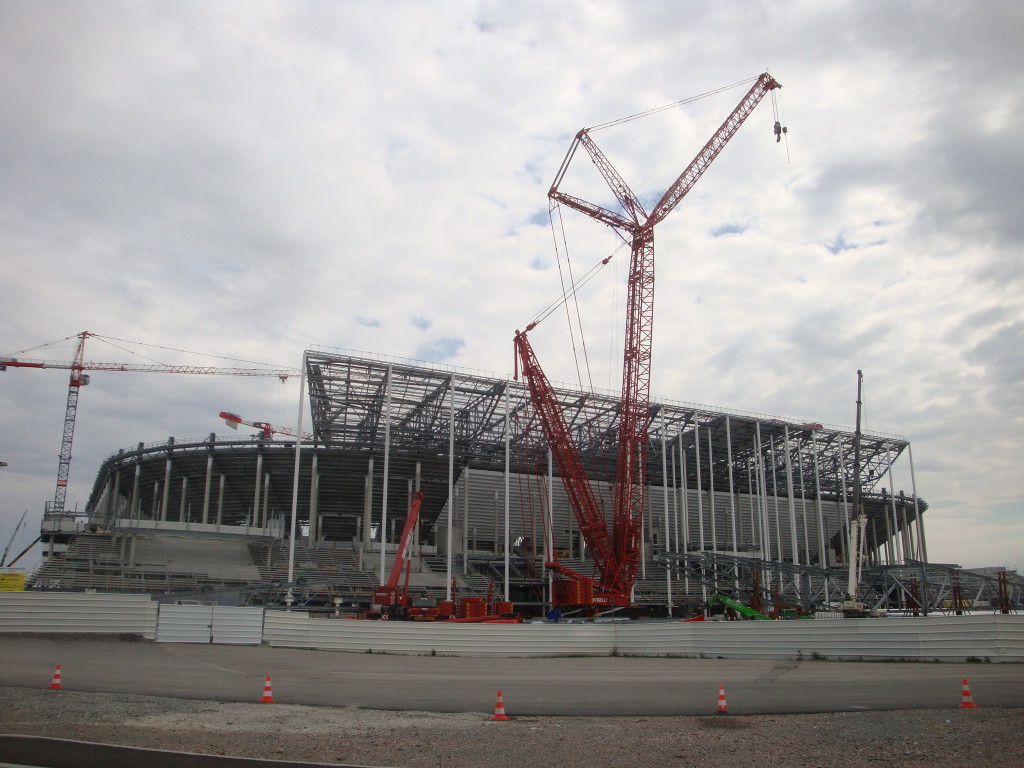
(367, 524)
(314, 500)
(206, 488)
(258, 488)
(803, 502)
(417, 480)
(387, 458)
(507, 503)
(167, 489)
(293, 533)
(451, 484)
(184, 497)
(265, 516)
(136, 509)
(916, 510)
(700, 509)
(667, 533)
(823, 558)
(465, 520)
(789, 495)
(711, 499)
(732, 491)
(220, 499)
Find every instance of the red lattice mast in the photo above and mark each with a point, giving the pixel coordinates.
(618, 565)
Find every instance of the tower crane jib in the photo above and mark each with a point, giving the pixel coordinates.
(79, 378)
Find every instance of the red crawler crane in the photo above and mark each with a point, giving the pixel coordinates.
(617, 555)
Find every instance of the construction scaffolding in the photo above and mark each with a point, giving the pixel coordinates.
(730, 493)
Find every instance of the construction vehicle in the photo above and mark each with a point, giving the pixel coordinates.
(852, 607)
(746, 612)
(388, 595)
(390, 601)
(616, 552)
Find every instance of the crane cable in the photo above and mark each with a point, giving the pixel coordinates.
(110, 339)
(673, 105)
(552, 209)
(779, 116)
(546, 311)
(40, 346)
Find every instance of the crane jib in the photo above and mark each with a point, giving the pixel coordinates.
(616, 555)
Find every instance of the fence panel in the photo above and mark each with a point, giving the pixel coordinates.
(185, 623)
(78, 612)
(237, 626)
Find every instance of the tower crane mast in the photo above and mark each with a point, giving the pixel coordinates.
(618, 568)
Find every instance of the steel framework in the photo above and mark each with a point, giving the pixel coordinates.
(421, 417)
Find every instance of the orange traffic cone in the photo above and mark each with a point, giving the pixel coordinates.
(723, 708)
(267, 696)
(966, 702)
(499, 709)
(55, 683)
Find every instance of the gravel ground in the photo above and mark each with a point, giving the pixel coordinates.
(980, 738)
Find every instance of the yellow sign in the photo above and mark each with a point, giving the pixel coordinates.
(12, 581)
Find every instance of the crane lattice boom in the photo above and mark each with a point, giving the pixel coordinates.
(618, 563)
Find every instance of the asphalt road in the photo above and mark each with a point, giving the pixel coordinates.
(602, 686)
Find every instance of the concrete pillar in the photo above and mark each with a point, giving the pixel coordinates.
(711, 498)
(182, 515)
(206, 488)
(387, 458)
(258, 487)
(789, 496)
(314, 496)
(136, 508)
(266, 500)
(367, 524)
(220, 500)
(917, 510)
(167, 489)
(732, 489)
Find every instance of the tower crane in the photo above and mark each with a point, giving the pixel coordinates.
(79, 379)
(267, 430)
(616, 553)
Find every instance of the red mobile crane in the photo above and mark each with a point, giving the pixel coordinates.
(388, 594)
(79, 379)
(617, 554)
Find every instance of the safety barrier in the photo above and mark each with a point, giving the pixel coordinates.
(78, 613)
(990, 638)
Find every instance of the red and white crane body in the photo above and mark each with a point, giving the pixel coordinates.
(617, 555)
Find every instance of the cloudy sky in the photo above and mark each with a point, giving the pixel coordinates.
(246, 179)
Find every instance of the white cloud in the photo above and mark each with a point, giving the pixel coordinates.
(250, 179)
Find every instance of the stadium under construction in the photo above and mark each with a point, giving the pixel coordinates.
(752, 506)
(431, 488)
